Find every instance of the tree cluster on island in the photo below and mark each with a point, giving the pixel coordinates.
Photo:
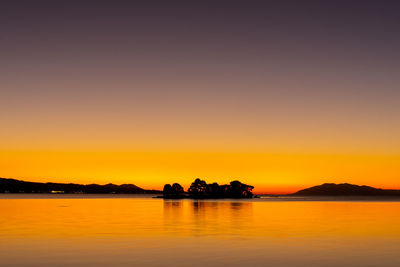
(199, 189)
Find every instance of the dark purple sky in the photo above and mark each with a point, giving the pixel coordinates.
(280, 93)
(246, 74)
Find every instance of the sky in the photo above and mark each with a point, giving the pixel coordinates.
(278, 94)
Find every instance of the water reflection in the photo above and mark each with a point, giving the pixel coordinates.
(207, 218)
(156, 232)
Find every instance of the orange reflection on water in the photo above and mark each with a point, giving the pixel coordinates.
(105, 231)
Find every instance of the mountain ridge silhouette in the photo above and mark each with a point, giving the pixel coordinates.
(9, 185)
(345, 189)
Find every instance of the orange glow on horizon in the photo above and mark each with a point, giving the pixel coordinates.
(269, 173)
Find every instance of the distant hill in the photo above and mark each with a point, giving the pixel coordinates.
(345, 190)
(17, 186)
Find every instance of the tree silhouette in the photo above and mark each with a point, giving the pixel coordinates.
(174, 191)
(177, 189)
(214, 190)
(239, 190)
(167, 190)
(200, 189)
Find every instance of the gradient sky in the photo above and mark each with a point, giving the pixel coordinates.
(278, 94)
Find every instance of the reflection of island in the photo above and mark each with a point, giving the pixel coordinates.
(173, 213)
(231, 218)
(199, 189)
(207, 217)
(346, 190)
(17, 186)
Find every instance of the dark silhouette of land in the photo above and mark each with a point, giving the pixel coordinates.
(331, 189)
(17, 186)
(199, 189)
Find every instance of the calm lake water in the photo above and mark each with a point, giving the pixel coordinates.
(48, 230)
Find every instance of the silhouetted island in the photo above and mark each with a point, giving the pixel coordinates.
(17, 186)
(199, 189)
(331, 189)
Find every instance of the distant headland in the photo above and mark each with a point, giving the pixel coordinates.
(331, 189)
(18, 186)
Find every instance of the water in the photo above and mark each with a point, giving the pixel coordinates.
(82, 230)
